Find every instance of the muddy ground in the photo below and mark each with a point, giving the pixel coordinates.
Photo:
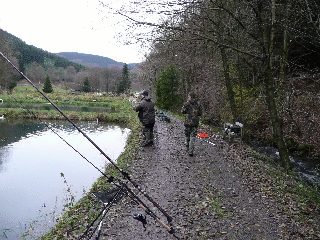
(213, 195)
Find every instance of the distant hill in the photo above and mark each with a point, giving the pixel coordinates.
(90, 60)
(27, 54)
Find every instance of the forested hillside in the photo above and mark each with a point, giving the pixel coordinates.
(28, 54)
(93, 60)
(103, 74)
(25, 57)
(256, 62)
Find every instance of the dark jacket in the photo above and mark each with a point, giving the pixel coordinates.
(193, 110)
(146, 111)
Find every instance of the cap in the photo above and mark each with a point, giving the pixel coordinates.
(144, 92)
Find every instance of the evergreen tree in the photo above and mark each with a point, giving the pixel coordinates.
(167, 87)
(125, 83)
(47, 87)
(86, 85)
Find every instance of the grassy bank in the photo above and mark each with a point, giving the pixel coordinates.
(23, 96)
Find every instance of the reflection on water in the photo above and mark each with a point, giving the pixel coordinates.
(32, 159)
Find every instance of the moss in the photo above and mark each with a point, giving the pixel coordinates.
(303, 150)
(294, 148)
(292, 144)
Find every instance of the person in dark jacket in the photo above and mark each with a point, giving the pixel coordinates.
(146, 114)
(193, 110)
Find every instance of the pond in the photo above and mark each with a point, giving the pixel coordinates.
(37, 168)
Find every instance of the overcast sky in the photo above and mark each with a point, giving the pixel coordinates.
(68, 26)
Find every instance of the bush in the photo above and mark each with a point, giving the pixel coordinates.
(167, 87)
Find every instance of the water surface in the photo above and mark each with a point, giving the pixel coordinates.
(33, 160)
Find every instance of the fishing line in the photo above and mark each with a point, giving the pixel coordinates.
(48, 126)
(60, 111)
(110, 179)
(125, 174)
(207, 141)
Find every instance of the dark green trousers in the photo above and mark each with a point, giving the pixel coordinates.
(147, 131)
(191, 134)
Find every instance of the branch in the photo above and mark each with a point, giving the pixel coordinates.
(186, 30)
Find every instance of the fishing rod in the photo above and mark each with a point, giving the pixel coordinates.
(117, 196)
(49, 127)
(203, 137)
(122, 187)
(124, 174)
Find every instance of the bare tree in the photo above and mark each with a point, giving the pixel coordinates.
(37, 73)
(69, 74)
(250, 43)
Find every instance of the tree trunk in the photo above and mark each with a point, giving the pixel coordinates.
(226, 67)
(228, 83)
(275, 120)
(269, 41)
(283, 69)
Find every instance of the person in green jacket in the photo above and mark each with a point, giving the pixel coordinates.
(193, 111)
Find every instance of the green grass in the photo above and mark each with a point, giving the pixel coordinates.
(121, 108)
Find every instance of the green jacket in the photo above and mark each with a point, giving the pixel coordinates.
(193, 111)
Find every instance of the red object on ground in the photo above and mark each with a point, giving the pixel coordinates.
(203, 135)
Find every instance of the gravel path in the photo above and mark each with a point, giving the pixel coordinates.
(208, 195)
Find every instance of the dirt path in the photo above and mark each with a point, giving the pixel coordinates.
(208, 195)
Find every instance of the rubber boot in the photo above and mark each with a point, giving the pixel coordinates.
(187, 143)
(151, 137)
(191, 145)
